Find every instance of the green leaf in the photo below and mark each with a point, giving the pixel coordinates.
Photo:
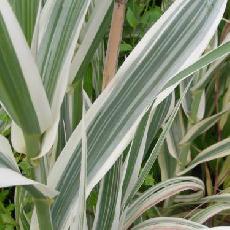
(218, 150)
(26, 12)
(151, 16)
(21, 91)
(95, 31)
(167, 164)
(131, 18)
(201, 127)
(169, 222)
(146, 131)
(149, 181)
(109, 188)
(125, 47)
(158, 193)
(155, 152)
(80, 219)
(203, 215)
(202, 83)
(61, 25)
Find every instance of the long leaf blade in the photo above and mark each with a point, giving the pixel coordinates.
(21, 89)
(168, 222)
(218, 150)
(158, 193)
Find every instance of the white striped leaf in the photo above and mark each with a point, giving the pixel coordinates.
(189, 198)
(203, 215)
(60, 25)
(196, 108)
(137, 150)
(107, 198)
(113, 118)
(160, 116)
(187, 102)
(167, 163)
(80, 218)
(221, 228)
(171, 223)
(218, 150)
(201, 127)
(158, 193)
(156, 150)
(26, 12)
(219, 198)
(21, 91)
(173, 138)
(118, 209)
(10, 174)
(96, 28)
(146, 131)
(202, 83)
(64, 126)
(194, 104)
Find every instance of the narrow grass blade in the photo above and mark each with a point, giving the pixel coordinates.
(156, 150)
(201, 127)
(96, 28)
(158, 193)
(108, 197)
(61, 22)
(174, 136)
(136, 153)
(168, 223)
(202, 83)
(21, 90)
(203, 215)
(81, 211)
(161, 114)
(167, 163)
(218, 150)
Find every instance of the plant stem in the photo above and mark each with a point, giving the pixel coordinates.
(43, 214)
(115, 36)
(33, 146)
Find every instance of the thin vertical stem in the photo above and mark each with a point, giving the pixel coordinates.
(115, 37)
(33, 147)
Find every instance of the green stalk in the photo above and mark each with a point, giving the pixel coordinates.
(17, 206)
(42, 205)
(43, 214)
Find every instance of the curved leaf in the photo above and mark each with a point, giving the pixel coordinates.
(168, 223)
(218, 150)
(158, 193)
(21, 90)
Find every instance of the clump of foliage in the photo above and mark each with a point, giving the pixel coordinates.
(114, 114)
